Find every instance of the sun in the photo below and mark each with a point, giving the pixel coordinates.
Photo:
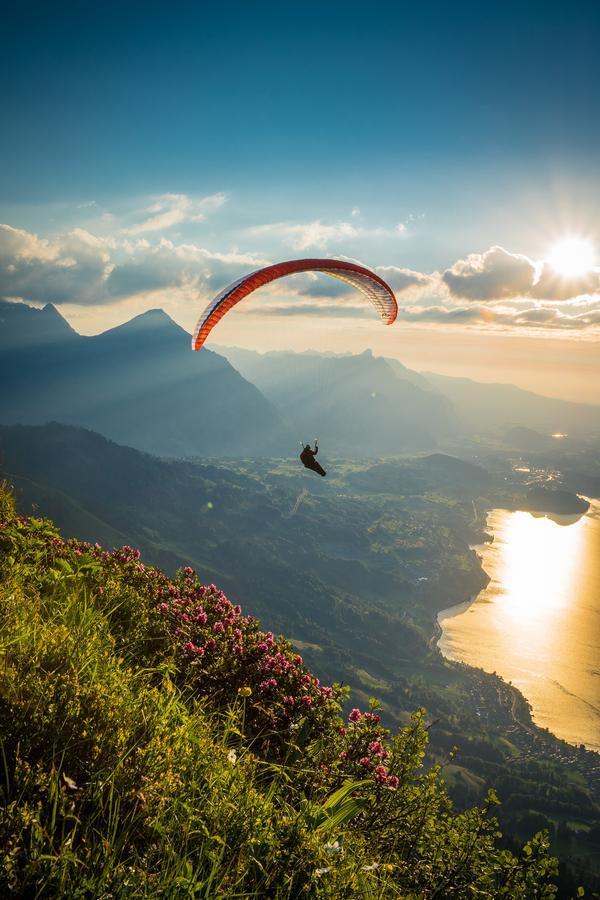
(572, 257)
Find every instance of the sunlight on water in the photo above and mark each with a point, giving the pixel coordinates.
(538, 622)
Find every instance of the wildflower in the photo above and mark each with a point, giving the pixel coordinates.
(343, 731)
(355, 715)
(380, 775)
(245, 691)
(333, 846)
(372, 717)
(371, 868)
(218, 626)
(188, 570)
(306, 700)
(343, 755)
(392, 782)
(323, 871)
(365, 761)
(232, 757)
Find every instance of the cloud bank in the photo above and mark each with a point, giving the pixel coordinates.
(496, 288)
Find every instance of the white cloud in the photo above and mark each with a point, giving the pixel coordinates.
(84, 269)
(496, 288)
(493, 275)
(306, 235)
(174, 209)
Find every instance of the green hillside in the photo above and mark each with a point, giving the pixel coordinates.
(156, 743)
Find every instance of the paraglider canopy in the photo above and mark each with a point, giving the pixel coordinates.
(367, 282)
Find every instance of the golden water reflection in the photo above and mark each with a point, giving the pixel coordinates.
(538, 622)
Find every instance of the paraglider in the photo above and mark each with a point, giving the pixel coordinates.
(364, 280)
(308, 459)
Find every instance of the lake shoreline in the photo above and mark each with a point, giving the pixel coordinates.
(456, 609)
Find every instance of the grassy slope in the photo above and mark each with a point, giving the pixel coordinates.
(145, 756)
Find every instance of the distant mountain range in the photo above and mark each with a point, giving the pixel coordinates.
(492, 406)
(362, 405)
(139, 384)
(421, 408)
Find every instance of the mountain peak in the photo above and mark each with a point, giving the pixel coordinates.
(29, 326)
(152, 321)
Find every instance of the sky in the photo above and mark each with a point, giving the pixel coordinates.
(154, 152)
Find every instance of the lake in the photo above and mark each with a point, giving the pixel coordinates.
(538, 621)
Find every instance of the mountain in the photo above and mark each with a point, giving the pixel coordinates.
(139, 384)
(360, 405)
(25, 327)
(492, 406)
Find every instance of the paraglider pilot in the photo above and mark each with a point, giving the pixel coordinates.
(308, 459)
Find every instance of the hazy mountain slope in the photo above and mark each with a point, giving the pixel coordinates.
(341, 590)
(139, 384)
(498, 405)
(23, 326)
(358, 405)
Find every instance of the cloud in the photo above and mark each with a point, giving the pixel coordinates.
(303, 236)
(493, 275)
(174, 209)
(404, 281)
(498, 274)
(552, 286)
(492, 289)
(80, 268)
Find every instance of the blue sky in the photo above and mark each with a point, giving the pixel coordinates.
(156, 149)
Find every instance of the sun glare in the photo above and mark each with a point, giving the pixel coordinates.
(572, 257)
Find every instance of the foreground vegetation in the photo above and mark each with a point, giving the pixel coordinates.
(155, 742)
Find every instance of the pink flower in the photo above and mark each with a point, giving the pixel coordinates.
(377, 747)
(188, 570)
(365, 761)
(380, 775)
(392, 782)
(218, 626)
(306, 700)
(343, 755)
(210, 644)
(355, 715)
(343, 731)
